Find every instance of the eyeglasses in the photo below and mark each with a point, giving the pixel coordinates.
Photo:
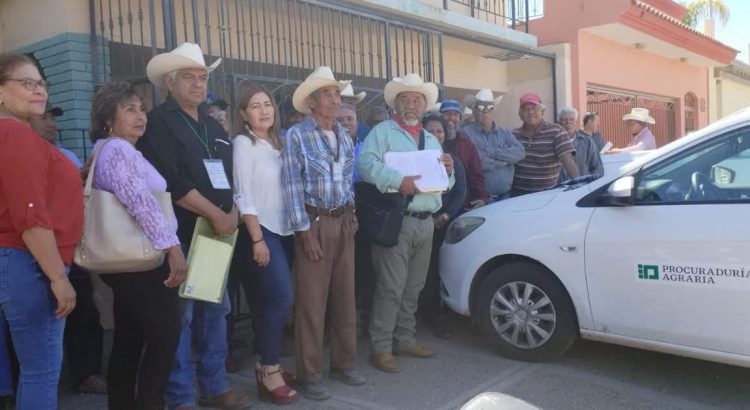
(485, 108)
(31, 84)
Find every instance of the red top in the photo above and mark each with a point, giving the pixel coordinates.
(39, 186)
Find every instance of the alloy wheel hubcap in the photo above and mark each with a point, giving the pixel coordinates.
(522, 315)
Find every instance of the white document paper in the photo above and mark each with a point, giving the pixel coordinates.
(427, 163)
(606, 147)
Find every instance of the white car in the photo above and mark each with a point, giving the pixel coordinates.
(654, 255)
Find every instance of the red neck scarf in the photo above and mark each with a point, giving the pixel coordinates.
(413, 130)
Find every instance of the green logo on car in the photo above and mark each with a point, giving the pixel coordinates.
(648, 272)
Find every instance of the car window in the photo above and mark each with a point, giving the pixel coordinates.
(717, 170)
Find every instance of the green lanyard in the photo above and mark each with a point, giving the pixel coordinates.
(204, 140)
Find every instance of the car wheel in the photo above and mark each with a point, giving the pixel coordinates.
(527, 312)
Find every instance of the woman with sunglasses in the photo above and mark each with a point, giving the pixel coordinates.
(41, 219)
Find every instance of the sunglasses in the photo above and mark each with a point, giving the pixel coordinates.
(484, 108)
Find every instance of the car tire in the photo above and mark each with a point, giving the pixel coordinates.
(537, 326)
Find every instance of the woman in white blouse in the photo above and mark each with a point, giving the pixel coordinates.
(258, 194)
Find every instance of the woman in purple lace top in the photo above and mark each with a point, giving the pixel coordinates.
(146, 313)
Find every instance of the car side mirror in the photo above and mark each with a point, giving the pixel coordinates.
(722, 175)
(620, 192)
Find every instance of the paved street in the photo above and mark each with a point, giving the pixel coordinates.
(590, 375)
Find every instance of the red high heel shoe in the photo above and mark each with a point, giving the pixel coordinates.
(281, 395)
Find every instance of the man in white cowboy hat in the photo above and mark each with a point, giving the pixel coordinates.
(193, 153)
(548, 149)
(317, 163)
(642, 139)
(401, 270)
(498, 149)
(348, 97)
(458, 144)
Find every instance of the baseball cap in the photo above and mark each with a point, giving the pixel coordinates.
(531, 98)
(213, 99)
(450, 105)
(55, 111)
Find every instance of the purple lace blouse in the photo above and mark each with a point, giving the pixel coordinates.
(122, 170)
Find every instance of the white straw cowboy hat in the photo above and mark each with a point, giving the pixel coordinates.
(320, 78)
(639, 114)
(348, 92)
(410, 82)
(435, 108)
(188, 55)
(484, 96)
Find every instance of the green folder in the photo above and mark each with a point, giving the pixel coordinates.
(208, 263)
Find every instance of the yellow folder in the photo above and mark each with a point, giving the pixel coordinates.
(208, 263)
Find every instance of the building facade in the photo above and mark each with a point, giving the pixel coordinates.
(731, 89)
(633, 53)
(462, 45)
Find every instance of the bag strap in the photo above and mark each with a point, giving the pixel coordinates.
(90, 177)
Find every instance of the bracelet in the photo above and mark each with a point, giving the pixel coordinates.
(258, 241)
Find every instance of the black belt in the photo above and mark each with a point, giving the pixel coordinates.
(419, 215)
(331, 213)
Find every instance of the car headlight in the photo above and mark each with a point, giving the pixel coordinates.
(461, 228)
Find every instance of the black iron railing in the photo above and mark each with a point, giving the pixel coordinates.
(276, 42)
(509, 13)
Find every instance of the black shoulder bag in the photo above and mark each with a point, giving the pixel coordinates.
(380, 215)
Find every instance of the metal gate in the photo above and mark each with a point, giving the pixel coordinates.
(275, 42)
(612, 105)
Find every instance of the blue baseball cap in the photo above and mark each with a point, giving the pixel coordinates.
(450, 105)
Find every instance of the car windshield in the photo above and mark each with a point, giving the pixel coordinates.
(575, 183)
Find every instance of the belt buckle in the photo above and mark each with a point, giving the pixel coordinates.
(331, 212)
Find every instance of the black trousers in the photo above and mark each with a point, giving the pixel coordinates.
(364, 276)
(430, 302)
(83, 333)
(147, 330)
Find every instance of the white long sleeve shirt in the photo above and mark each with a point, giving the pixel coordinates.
(257, 183)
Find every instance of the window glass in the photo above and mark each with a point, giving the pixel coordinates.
(715, 171)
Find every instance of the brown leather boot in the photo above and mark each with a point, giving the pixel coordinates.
(228, 400)
(416, 350)
(385, 362)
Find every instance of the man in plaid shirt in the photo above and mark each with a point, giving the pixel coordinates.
(317, 162)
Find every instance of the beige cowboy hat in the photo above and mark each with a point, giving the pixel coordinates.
(639, 114)
(188, 55)
(484, 96)
(320, 78)
(348, 92)
(410, 82)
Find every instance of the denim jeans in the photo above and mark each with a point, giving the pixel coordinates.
(28, 305)
(205, 324)
(275, 294)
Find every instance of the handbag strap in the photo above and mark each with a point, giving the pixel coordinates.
(95, 156)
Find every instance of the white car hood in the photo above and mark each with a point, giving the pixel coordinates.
(518, 204)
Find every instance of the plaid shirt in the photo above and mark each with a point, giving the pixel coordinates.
(307, 171)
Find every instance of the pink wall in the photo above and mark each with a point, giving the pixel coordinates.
(562, 19)
(605, 63)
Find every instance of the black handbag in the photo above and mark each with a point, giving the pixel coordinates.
(380, 215)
